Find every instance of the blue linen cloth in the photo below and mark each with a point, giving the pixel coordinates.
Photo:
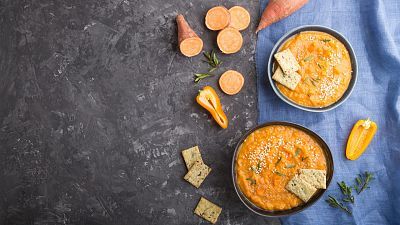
(373, 29)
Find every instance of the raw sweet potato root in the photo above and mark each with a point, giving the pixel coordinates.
(227, 22)
(189, 43)
(277, 10)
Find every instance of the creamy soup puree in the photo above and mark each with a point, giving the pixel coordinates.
(325, 69)
(269, 158)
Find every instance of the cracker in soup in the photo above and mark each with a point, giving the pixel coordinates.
(289, 80)
(301, 188)
(208, 210)
(197, 174)
(316, 178)
(287, 61)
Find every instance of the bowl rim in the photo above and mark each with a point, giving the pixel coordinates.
(282, 213)
(337, 35)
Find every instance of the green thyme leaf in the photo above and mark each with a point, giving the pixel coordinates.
(297, 152)
(303, 158)
(251, 180)
(308, 58)
(279, 173)
(288, 166)
(279, 160)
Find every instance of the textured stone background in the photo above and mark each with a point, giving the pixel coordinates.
(96, 105)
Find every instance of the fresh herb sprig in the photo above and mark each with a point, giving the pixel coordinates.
(333, 202)
(363, 181)
(212, 60)
(346, 190)
(200, 76)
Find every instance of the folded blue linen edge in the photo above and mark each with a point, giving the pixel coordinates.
(373, 29)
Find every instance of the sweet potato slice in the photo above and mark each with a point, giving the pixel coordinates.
(217, 18)
(231, 82)
(240, 17)
(189, 43)
(229, 40)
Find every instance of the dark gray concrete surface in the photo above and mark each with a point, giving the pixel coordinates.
(96, 104)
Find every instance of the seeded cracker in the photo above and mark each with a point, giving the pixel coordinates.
(191, 156)
(289, 80)
(287, 61)
(316, 178)
(300, 188)
(197, 174)
(207, 210)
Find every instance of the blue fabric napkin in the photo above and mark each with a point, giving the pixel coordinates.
(373, 29)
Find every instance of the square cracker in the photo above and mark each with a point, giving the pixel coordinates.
(316, 178)
(287, 61)
(197, 174)
(288, 80)
(207, 210)
(191, 155)
(300, 188)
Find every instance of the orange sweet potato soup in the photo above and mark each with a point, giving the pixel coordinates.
(325, 69)
(269, 158)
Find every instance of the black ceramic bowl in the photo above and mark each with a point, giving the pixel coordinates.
(335, 34)
(263, 212)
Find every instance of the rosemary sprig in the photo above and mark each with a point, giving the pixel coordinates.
(333, 202)
(346, 190)
(200, 76)
(363, 181)
(212, 60)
